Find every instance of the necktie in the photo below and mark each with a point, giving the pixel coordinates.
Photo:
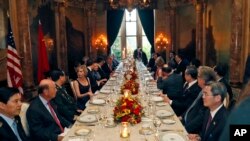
(54, 116)
(209, 121)
(14, 125)
(110, 68)
(185, 87)
(192, 105)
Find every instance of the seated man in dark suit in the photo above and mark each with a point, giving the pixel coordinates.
(216, 114)
(66, 105)
(151, 64)
(171, 83)
(181, 65)
(100, 62)
(221, 71)
(189, 93)
(108, 67)
(192, 119)
(45, 123)
(92, 67)
(10, 124)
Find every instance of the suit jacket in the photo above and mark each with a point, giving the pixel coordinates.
(143, 57)
(216, 127)
(187, 98)
(181, 69)
(66, 105)
(7, 134)
(41, 123)
(107, 70)
(195, 117)
(172, 86)
(102, 73)
(93, 81)
(238, 116)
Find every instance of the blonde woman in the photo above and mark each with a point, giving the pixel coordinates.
(82, 87)
(159, 62)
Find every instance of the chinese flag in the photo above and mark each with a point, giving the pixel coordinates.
(43, 63)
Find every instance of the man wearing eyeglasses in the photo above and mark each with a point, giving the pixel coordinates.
(216, 114)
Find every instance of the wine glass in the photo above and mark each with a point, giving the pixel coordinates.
(157, 124)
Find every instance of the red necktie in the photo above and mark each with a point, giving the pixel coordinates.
(55, 117)
(209, 121)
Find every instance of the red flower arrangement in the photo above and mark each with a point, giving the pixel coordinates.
(131, 85)
(130, 75)
(128, 109)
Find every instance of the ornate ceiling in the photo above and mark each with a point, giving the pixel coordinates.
(104, 4)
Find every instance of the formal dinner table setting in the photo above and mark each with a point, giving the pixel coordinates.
(128, 108)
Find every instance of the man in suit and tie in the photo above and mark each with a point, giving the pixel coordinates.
(10, 124)
(189, 93)
(181, 65)
(66, 105)
(108, 67)
(193, 117)
(170, 83)
(100, 62)
(92, 67)
(216, 114)
(45, 123)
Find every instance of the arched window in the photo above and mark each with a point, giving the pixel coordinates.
(130, 36)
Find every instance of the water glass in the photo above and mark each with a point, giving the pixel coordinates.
(157, 124)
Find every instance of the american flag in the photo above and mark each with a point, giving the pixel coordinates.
(14, 73)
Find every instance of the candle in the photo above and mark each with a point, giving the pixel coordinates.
(126, 93)
(125, 133)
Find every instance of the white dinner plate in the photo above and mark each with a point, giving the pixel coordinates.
(169, 121)
(105, 91)
(171, 137)
(98, 101)
(145, 119)
(161, 104)
(163, 113)
(112, 78)
(87, 118)
(93, 110)
(157, 98)
(82, 131)
(146, 131)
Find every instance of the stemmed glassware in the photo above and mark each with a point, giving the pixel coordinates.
(157, 124)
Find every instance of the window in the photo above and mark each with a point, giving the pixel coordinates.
(130, 36)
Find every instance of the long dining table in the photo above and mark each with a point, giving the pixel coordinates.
(93, 123)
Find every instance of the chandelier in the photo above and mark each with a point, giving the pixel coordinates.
(131, 4)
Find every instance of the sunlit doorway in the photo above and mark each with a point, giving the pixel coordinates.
(131, 35)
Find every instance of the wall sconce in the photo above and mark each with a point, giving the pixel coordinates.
(49, 42)
(101, 42)
(161, 41)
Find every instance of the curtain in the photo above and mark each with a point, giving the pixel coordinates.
(114, 20)
(147, 21)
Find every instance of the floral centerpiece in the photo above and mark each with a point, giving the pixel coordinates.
(131, 85)
(128, 109)
(130, 75)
